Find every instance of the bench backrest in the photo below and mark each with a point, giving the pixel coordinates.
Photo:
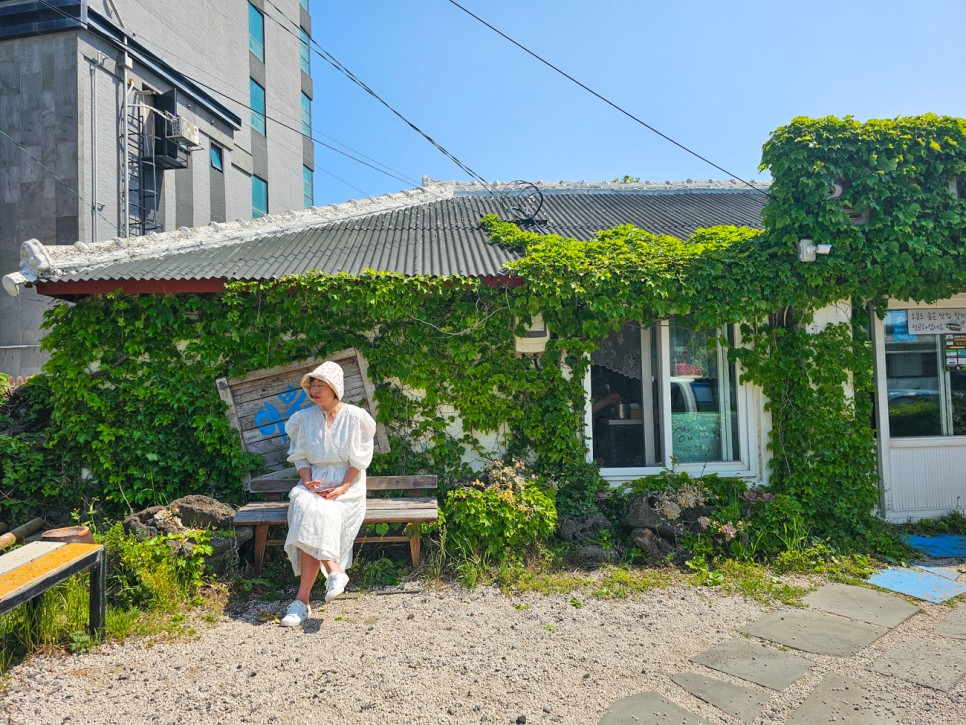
(259, 404)
(284, 481)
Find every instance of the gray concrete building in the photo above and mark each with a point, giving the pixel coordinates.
(122, 118)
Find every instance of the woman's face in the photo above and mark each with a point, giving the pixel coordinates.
(321, 393)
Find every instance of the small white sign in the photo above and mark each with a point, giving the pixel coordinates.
(936, 322)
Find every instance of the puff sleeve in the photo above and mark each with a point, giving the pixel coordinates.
(297, 453)
(361, 439)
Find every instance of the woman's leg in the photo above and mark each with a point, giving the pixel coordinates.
(332, 567)
(309, 572)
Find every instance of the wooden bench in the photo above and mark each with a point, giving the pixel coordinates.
(29, 571)
(414, 510)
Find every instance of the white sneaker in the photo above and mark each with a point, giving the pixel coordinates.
(335, 584)
(297, 613)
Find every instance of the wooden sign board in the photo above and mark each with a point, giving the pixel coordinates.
(259, 403)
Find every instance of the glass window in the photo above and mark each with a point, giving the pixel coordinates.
(304, 52)
(258, 107)
(217, 157)
(308, 187)
(925, 380)
(259, 197)
(632, 401)
(704, 412)
(306, 115)
(256, 32)
(304, 4)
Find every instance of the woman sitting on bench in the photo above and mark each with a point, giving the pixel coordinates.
(331, 445)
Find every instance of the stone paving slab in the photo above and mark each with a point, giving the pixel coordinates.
(917, 584)
(864, 605)
(755, 662)
(933, 664)
(815, 632)
(945, 573)
(648, 708)
(840, 699)
(953, 624)
(743, 703)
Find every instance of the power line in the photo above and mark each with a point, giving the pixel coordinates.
(605, 100)
(59, 180)
(335, 63)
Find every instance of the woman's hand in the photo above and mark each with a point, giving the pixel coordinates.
(335, 492)
(313, 486)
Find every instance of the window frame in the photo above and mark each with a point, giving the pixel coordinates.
(305, 55)
(256, 46)
(213, 151)
(258, 121)
(306, 110)
(747, 401)
(256, 212)
(308, 187)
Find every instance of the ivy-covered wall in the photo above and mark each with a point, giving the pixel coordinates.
(132, 377)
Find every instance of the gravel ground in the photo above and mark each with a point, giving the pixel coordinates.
(444, 655)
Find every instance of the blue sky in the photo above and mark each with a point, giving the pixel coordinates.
(716, 76)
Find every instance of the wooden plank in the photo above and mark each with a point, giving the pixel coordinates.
(247, 402)
(49, 564)
(27, 553)
(389, 483)
(404, 510)
(283, 481)
(288, 367)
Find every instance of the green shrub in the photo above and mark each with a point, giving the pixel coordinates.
(500, 514)
(157, 574)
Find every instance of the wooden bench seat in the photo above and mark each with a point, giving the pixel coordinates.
(29, 571)
(414, 510)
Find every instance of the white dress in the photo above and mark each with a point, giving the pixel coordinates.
(326, 528)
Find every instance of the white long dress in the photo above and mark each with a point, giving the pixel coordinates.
(326, 528)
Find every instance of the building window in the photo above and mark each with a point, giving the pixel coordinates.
(217, 157)
(256, 32)
(304, 4)
(259, 197)
(304, 52)
(308, 187)
(258, 107)
(662, 392)
(306, 115)
(925, 380)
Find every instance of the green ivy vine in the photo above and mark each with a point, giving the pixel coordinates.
(132, 377)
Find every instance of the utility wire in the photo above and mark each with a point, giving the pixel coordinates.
(335, 63)
(401, 177)
(59, 180)
(605, 100)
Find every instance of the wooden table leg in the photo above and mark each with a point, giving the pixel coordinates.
(261, 537)
(414, 534)
(98, 590)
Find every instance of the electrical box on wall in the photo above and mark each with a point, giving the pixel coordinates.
(534, 339)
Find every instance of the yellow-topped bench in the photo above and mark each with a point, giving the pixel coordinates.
(29, 571)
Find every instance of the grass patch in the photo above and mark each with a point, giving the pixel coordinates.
(619, 582)
(820, 559)
(952, 523)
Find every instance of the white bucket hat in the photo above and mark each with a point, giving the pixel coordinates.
(329, 373)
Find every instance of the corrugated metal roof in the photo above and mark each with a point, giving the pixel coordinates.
(434, 237)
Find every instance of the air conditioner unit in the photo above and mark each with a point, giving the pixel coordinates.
(183, 131)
